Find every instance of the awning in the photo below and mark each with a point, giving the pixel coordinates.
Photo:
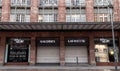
(58, 26)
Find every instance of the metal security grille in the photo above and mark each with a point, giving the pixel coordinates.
(76, 54)
(48, 55)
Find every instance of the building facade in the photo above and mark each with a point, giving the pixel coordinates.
(59, 32)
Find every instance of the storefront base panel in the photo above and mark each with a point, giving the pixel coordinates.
(18, 64)
(106, 64)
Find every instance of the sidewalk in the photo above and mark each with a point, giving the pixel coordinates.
(59, 67)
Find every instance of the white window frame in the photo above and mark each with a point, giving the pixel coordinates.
(20, 18)
(102, 2)
(46, 18)
(48, 2)
(19, 2)
(75, 2)
(0, 2)
(76, 18)
(0, 14)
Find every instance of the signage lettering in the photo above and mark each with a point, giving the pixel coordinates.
(76, 41)
(105, 40)
(19, 40)
(47, 41)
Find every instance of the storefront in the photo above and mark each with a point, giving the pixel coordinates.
(48, 50)
(76, 50)
(104, 50)
(17, 50)
(62, 44)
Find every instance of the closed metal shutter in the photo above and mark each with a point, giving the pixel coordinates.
(76, 54)
(48, 55)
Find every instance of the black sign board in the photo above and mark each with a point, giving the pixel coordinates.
(76, 41)
(105, 41)
(48, 42)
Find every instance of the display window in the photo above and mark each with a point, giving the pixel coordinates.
(104, 50)
(17, 49)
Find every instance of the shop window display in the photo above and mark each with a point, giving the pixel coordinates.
(17, 50)
(104, 50)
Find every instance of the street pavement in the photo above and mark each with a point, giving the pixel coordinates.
(58, 68)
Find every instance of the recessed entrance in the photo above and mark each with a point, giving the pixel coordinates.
(47, 50)
(76, 50)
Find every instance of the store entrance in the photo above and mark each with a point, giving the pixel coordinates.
(48, 51)
(76, 55)
(76, 51)
(104, 50)
(17, 50)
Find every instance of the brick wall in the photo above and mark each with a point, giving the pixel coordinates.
(5, 11)
(34, 11)
(61, 11)
(116, 10)
(90, 10)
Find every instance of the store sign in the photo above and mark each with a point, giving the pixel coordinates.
(76, 42)
(48, 42)
(19, 40)
(105, 40)
(102, 40)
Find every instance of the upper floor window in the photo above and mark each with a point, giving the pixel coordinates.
(20, 16)
(0, 14)
(75, 2)
(48, 3)
(75, 15)
(48, 16)
(20, 2)
(103, 2)
(0, 2)
(102, 15)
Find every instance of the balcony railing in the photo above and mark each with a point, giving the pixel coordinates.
(48, 3)
(16, 3)
(0, 2)
(75, 4)
(102, 2)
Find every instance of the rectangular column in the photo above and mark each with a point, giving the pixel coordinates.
(61, 11)
(2, 49)
(5, 11)
(116, 10)
(90, 10)
(62, 51)
(33, 51)
(34, 11)
(119, 48)
(91, 51)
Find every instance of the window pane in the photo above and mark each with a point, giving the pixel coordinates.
(0, 14)
(103, 2)
(0, 2)
(48, 15)
(20, 2)
(48, 2)
(75, 3)
(20, 15)
(75, 15)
